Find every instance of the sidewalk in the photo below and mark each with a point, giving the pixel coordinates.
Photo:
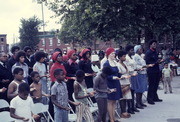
(166, 111)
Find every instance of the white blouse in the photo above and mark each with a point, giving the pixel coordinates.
(131, 65)
(140, 62)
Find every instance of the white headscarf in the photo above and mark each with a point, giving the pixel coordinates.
(136, 48)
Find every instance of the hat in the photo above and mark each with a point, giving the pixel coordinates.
(83, 52)
(94, 58)
(70, 52)
(109, 51)
(54, 56)
(136, 48)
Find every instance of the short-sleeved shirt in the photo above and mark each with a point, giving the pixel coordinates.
(166, 72)
(61, 93)
(22, 107)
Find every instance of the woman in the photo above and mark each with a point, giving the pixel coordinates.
(20, 58)
(125, 86)
(112, 83)
(142, 75)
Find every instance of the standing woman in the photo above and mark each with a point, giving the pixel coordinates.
(20, 62)
(85, 65)
(112, 83)
(125, 86)
(142, 74)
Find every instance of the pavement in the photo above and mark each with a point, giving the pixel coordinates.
(166, 111)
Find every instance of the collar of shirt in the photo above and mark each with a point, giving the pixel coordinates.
(70, 61)
(152, 49)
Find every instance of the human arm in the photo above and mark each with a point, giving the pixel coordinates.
(96, 86)
(54, 101)
(76, 90)
(13, 115)
(74, 103)
(11, 88)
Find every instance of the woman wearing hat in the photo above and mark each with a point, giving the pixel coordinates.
(142, 77)
(112, 83)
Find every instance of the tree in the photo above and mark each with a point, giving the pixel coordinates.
(117, 19)
(29, 32)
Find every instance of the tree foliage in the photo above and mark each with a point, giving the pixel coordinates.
(29, 32)
(117, 19)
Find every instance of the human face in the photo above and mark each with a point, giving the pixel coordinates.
(154, 45)
(131, 52)
(112, 56)
(3, 57)
(123, 58)
(60, 77)
(88, 55)
(23, 95)
(19, 76)
(15, 52)
(140, 51)
(166, 66)
(42, 60)
(28, 52)
(74, 56)
(36, 78)
(21, 59)
(59, 58)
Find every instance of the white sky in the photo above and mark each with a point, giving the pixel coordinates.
(11, 11)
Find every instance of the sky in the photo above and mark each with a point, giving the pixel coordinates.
(11, 12)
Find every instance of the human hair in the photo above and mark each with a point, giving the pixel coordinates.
(19, 54)
(101, 53)
(39, 55)
(57, 72)
(129, 47)
(27, 48)
(107, 70)
(58, 50)
(152, 41)
(14, 48)
(33, 73)
(23, 87)
(84, 55)
(17, 70)
(80, 73)
(121, 53)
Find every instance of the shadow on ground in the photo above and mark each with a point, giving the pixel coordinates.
(173, 120)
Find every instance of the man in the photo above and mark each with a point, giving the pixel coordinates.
(12, 60)
(153, 73)
(5, 75)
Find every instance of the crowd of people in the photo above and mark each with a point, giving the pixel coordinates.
(116, 76)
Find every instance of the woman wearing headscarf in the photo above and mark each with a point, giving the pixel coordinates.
(85, 65)
(112, 83)
(142, 75)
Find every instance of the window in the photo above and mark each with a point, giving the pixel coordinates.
(2, 39)
(58, 41)
(50, 42)
(43, 42)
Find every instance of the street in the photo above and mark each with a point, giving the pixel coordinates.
(166, 111)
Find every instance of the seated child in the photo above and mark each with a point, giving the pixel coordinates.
(167, 78)
(59, 97)
(81, 95)
(20, 106)
(36, 88)
(13, 86)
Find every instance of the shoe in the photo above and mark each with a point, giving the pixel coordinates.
(125, 115)
(143, 105)
(171, 92)
(165, 92)
(139, 106)
(130, 111)
(151, 102)
(158, 100)
(135, 109)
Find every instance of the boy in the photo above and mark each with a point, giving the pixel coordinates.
(36, 88)
(59, 97)
(20, 106)
(13, 86)
(167, 78)
(100, 86)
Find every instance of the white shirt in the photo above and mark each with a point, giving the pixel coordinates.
(22, 107)
(140, 62)
(131, 64)
(166, 72)
(40, 68)
(102, 62)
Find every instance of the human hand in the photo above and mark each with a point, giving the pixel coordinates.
(36, 117)
(3, 89)
(25, 119)
(67, 109)
(76, 103)
(150, 65)
(112, 90)
(5, 81)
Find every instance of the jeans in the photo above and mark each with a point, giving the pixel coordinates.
(60, 115)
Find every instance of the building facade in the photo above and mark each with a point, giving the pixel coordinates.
(3, 43)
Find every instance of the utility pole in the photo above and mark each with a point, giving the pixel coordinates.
(42, 8)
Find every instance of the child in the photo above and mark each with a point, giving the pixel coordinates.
(36, 88)
(13, 86)
(59, 97)
(20, 106)
(81, 95)
(100, 86)
(167, 78)
(40, 67)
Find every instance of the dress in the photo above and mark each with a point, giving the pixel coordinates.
(142, 75)
(111, 83)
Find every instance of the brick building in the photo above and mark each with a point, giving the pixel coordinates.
(3, 43)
